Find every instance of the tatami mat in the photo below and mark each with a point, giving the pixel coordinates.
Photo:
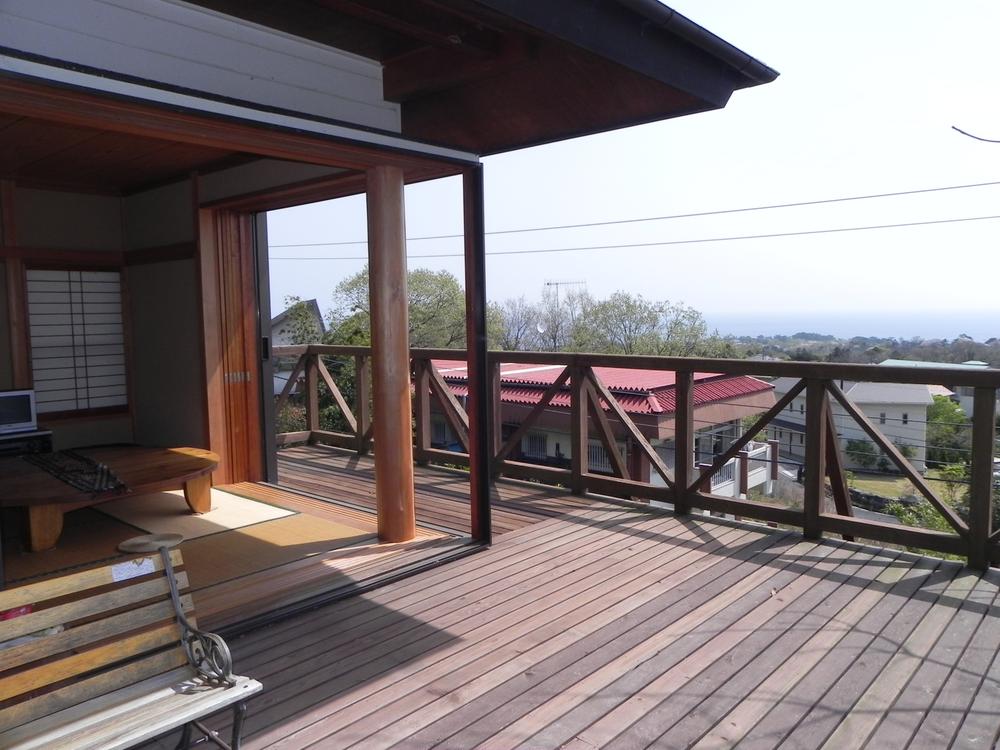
(167, 512)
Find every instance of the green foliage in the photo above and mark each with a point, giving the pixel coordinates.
(301, 323)
(921, 514)
(955, 491)
(291, 418)
(948, 434)
(863, 453)
(436, 310)
(623, 323)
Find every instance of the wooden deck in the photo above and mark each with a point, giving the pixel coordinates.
(629, 628)
(442, 496)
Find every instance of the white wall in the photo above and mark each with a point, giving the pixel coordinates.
(185, 46)
(913, 432)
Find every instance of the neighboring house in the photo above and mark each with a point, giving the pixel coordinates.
(284, 330)
(647, 396)
(962, 394)
(899, 411)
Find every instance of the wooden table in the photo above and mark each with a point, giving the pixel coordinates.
(143, 470)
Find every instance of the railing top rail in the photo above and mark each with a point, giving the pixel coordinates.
(944, 375)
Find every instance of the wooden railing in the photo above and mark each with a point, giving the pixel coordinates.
(594, 410)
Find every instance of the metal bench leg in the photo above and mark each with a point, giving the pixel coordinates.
(239, 716)
(185, 740)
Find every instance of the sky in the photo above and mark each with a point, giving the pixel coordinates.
(865, 102)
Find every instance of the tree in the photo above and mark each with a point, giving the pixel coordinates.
(622, 324)
(684, 333)
(863, 453)
(301, 324)
(436, 309)
(559, 321)
(948, 433)
(514, 324)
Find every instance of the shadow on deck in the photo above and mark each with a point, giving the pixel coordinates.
(611, 626)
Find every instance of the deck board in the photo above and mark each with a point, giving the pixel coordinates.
(626, 627)
(441, 495)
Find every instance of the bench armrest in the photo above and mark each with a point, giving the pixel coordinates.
(207, 652)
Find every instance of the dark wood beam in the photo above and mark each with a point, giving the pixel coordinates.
(480, 458)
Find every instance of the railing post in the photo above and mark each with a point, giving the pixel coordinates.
(362, 397)
(815, 457)
(579, 438)
(984, 416)
(705, 483)
(775, 447)
(684, 441)
(421, 410)
(496, 415)
(744, 458)
(312, 392)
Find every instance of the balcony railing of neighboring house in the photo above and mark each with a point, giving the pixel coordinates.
(593, 407)
(749, 469)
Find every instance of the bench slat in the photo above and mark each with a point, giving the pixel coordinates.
(76, 583)
(129, 716)
(81, 635)
(93, 605)
(78, 692)
(87, 661)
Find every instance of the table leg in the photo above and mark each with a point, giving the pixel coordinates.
(198, 493)
(45, 524)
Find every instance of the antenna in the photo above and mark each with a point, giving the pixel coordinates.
(558, 284)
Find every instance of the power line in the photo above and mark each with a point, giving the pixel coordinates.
(692, 215)
(665, 243)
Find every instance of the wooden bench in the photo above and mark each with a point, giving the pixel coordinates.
(109, 658)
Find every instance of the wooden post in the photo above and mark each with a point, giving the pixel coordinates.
(422, 409)
(312, 392)
(815, 457)
(390, 355)
(362, 400)
(496, 412)
(835, 469)
(683, 441)
(773, 455)
(478, 405)
(744, 458)
(981, 481)
(578, 428)
(17, 294)
(704, 483)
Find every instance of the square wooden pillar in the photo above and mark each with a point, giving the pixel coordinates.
(480, 384)
(392, 427)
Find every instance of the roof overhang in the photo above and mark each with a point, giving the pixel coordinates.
(488, 76)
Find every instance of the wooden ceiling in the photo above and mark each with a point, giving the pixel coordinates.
(41, 153)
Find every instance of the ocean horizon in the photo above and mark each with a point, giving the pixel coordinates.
(980, 325)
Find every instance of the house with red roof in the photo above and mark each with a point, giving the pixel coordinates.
(648, 397)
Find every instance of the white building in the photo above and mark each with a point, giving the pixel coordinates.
(962, 394)
(899, 410)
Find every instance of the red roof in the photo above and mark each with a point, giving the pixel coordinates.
(638, 391)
